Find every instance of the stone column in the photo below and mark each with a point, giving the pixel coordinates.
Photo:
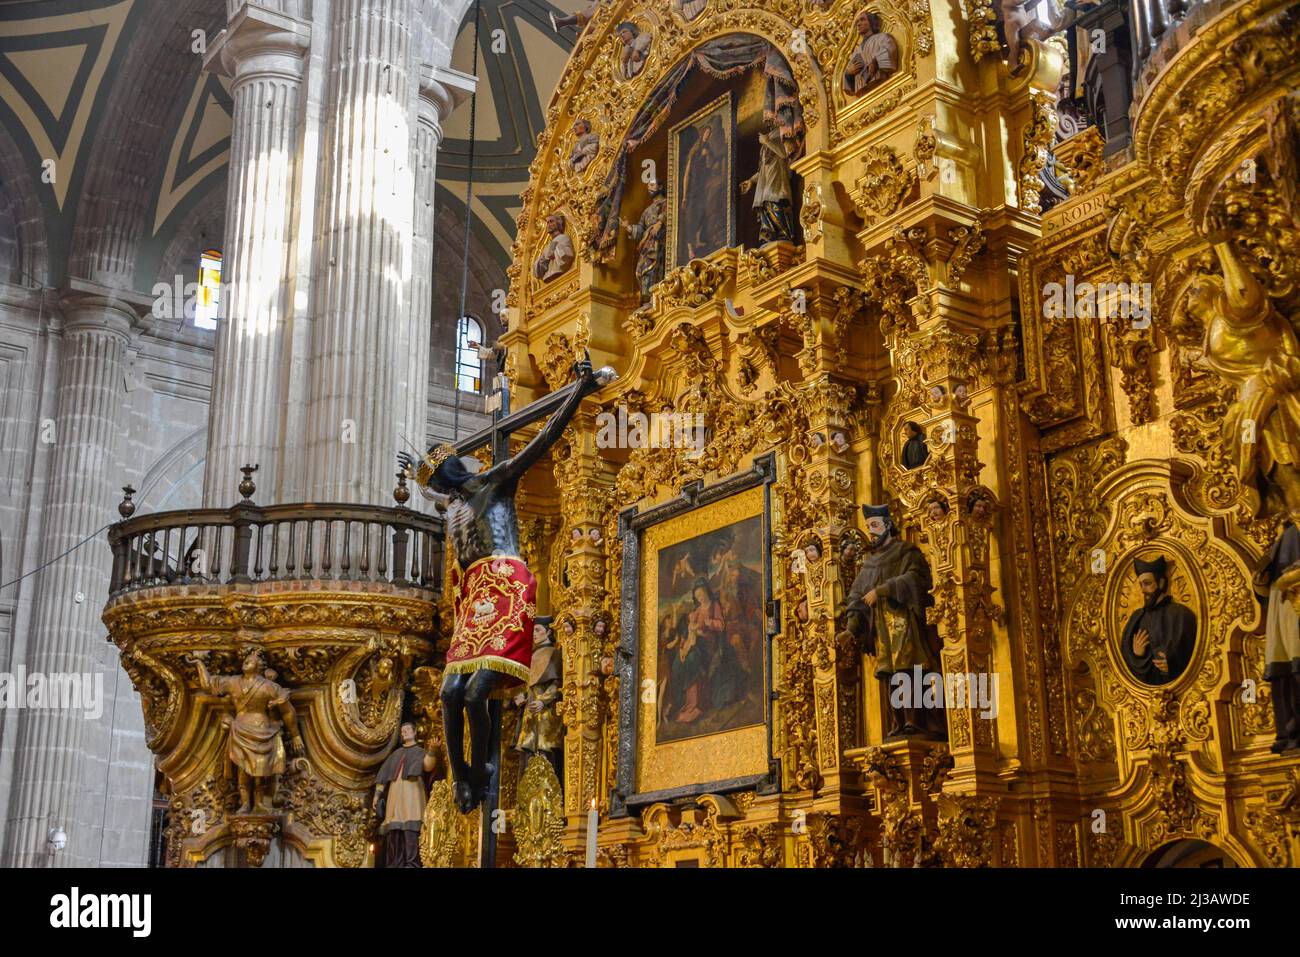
(364, 257)
(440, 92)
(58, 777)
(264, 52)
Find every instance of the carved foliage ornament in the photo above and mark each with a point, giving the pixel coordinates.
(884, 184)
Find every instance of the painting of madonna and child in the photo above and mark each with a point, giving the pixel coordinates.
(711, 642)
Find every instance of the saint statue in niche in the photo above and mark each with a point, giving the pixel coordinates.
(771, 187)
(636, 49)
(400, 798)
(557, 255)
(885, 617)
(648, 233)
(1277, 572)
(540, 730)
(586, 145)
(1251, 344)
(915, 451)
(253, 736)
(874, 59)
(1159, 637)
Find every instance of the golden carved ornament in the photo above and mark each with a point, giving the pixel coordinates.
(981, 26)
(538, 817)
(810, 213)
(883, 186)
(442, 836)
(967, 828)
(1079, 159)
(967, 241)
(1036, 141)
(691, 285)
(925, 150)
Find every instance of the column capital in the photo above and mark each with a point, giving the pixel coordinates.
(443, 89)
(90, 305)
(259, 41)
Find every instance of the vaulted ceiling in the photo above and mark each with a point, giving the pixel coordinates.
(113, 139)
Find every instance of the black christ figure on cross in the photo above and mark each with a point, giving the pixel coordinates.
(494, 590)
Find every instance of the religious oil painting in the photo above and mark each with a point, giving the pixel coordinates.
(709, 674)
(701, 174)
(699, 576)
(1156, 617)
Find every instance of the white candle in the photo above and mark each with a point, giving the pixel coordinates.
(593, 821)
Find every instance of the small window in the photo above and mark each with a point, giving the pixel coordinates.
(469, 368)
(208, 300)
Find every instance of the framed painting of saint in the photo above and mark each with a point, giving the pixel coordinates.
(1156, 616)
(701, 177)
(695, 662)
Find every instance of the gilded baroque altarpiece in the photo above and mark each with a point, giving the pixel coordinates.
(1062, 449)
(922, 255)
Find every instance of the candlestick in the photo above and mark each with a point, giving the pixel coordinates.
(593, 822)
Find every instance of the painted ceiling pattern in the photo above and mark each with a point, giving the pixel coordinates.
(519, 67)
(59, 59)
(54, 69)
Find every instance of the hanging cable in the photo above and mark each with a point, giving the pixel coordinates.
(469, 219)
(89, 538)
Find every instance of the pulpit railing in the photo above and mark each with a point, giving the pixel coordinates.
(1153, 21)
(251, 543)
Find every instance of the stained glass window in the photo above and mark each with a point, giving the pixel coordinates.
(208, 300)
(469, 368)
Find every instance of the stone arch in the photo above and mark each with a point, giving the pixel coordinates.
(175, 479)
(440, 36)
(204, 228)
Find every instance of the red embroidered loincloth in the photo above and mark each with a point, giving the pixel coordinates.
(495, 603)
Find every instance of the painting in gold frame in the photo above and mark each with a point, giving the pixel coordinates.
(701, 178)
(697, 722)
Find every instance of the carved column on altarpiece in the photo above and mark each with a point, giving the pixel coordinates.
(829, 468)
(585, 484)
(935, 337)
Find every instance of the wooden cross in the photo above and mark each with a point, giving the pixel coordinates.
(497, 435)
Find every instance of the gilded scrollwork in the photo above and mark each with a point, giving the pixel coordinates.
(1036, 141)
(884, 184)
(981, 25)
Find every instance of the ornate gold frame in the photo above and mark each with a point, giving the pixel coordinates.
(648, 771)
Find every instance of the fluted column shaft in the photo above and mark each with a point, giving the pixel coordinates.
(265, 54)
(58, 777)
(365, 257)
(428, 134)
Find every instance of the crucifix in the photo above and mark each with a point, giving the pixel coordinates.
(494, 591)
